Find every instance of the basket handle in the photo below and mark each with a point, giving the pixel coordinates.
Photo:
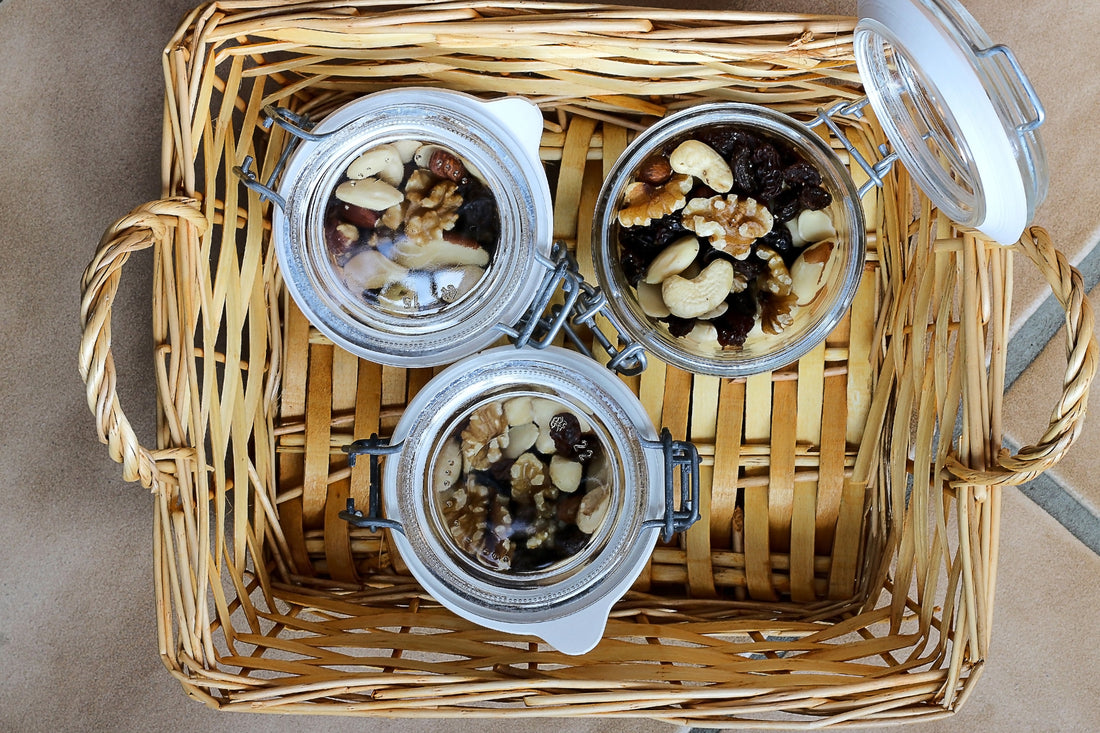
(144, 226)
(1081, 350)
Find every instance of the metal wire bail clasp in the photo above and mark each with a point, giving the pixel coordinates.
(299, 126)
(875, 171)
(682, 455)
(376, 448)
(582, 303)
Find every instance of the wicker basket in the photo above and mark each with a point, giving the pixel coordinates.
(845, 565)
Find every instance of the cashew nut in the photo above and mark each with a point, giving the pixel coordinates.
(383, 161)
(717, 312)
(370, 193)
(692, 298)
(517, 410)
(672, 260)
(698, 159)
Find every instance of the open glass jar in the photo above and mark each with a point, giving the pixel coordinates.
(526, 489)
(730, 238)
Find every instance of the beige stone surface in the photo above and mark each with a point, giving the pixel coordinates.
(1028, 408)
(80, 116)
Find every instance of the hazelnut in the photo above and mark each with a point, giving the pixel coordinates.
(655, 170)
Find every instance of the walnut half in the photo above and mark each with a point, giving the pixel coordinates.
(642, 202)
(731, 224)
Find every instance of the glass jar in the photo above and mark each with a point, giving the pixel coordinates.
(390, 297)
(959, 113)
(526, 490)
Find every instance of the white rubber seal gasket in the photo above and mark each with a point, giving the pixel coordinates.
(950, 68)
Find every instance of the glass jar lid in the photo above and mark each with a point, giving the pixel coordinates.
(414, 223)
(958, 110)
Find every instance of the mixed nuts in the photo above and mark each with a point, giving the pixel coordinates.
(410, 227)
(522, 483)
(724, 234)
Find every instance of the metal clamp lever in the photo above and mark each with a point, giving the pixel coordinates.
(875, 171)
(582, 303)
(298, 126)
(683, 455)
(373, 520)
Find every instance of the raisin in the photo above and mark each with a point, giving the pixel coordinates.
(477, 214)
(786, 206)
(565, 431)
(667, 230)
(751, 266)
(814, 197)
(568, 506)
(743, 177)
(571, 539)
(766, 158)
(800, 174)
(734, 328)
(734, 325)
(501, 472)
(771, 184)
(634, 267)
(727, 141)
(679, 327)
(584, 449)
(779, 239)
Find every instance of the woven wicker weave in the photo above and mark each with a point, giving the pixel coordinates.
(846, 561)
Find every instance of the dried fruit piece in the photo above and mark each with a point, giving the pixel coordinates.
(565, 430)
(447, 165)
(700, 160)
(692, 298)
(642, 203)
(730, 223)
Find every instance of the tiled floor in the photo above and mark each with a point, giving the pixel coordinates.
(80, 111)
